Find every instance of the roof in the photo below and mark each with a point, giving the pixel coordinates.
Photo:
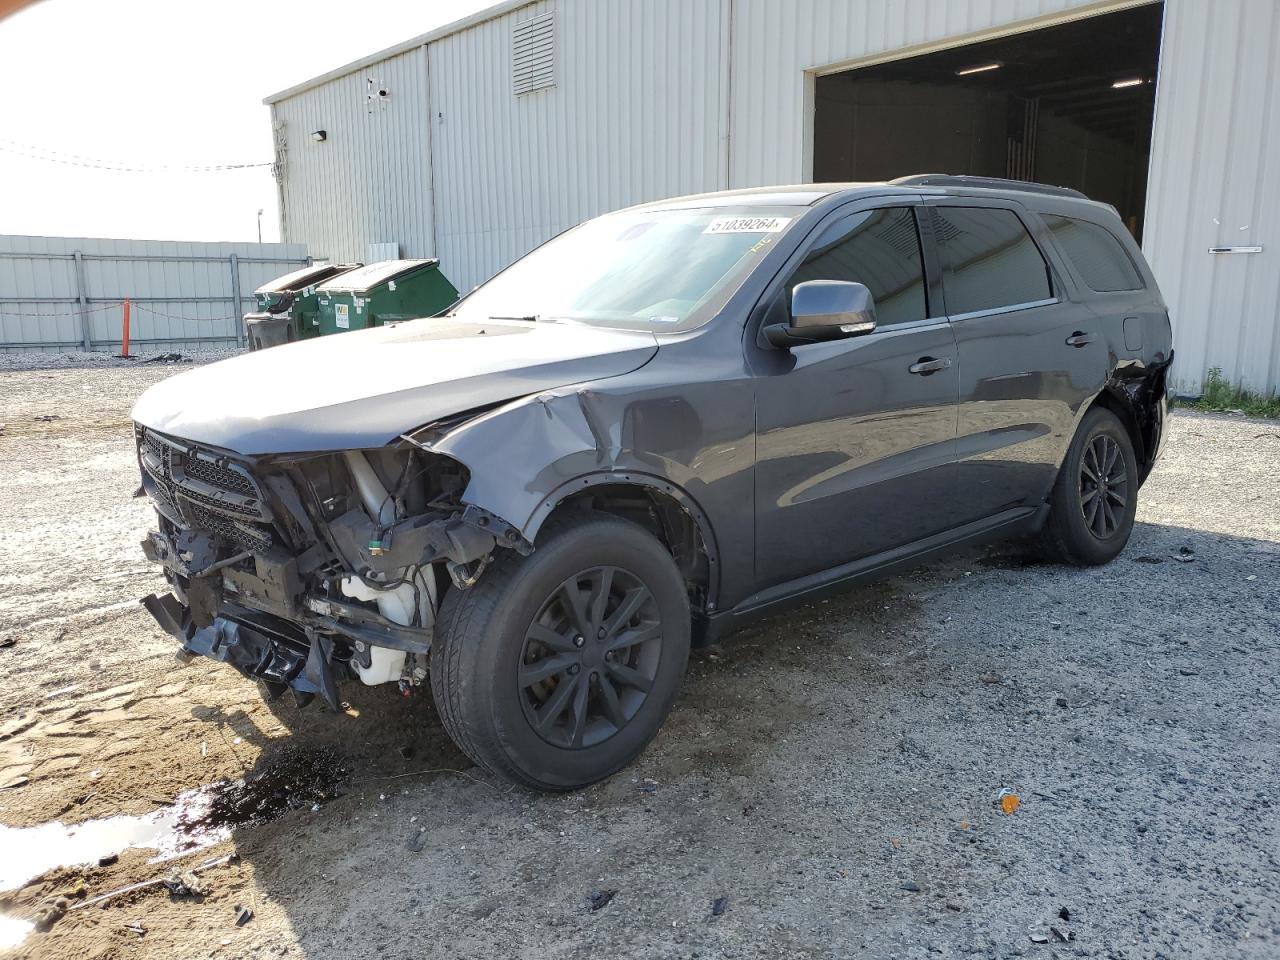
(933, 184)
(404, 46)
(792, 195)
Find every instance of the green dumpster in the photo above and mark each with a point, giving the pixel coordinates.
(287, 308)
(382, 292)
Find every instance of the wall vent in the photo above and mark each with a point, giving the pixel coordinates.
(533, 54)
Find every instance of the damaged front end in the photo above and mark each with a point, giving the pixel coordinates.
(303, 571)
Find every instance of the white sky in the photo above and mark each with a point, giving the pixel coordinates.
(163, 83)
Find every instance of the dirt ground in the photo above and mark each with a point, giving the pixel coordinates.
(826, 786)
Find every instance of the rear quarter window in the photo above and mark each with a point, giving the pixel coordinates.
(1097, 255)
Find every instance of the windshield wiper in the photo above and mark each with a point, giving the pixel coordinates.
(531, 319)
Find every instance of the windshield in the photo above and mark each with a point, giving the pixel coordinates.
(659, 270)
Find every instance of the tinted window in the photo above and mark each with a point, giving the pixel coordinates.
(988, 260)
(878, 248)
(1098, 255)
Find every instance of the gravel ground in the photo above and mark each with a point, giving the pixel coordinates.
(18, 360)
(826, 786)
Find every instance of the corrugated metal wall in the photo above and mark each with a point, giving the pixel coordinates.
(1215, 181)
(662, 97)
(368, 182)
(182, 293)
(634, 115)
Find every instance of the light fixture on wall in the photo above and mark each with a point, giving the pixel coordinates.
(1128, 82)
(979, 68)
(319, 136)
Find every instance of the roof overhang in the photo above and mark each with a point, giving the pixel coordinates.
(457, 26)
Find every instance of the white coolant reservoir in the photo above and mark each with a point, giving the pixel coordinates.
(396, 604)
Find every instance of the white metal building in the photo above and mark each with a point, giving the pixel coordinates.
(475, 142)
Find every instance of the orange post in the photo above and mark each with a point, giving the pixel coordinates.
(124, 352)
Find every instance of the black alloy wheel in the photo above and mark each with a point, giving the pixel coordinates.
(590, 657)
(556, 669)
(1104, 486)
(1094, 500)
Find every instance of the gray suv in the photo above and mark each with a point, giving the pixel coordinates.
(655, 427)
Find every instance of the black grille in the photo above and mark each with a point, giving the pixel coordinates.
(207, 492)
(218, 476)
(250, 536)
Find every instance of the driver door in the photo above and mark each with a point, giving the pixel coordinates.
(856, 438)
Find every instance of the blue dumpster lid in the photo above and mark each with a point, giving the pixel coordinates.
(374, 275)
(305, 277)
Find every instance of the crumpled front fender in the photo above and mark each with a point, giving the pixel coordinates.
(525, 454)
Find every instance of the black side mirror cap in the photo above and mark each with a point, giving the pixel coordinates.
(823, 310)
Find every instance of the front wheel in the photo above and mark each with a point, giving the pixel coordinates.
(557, 669)
(1095, 498)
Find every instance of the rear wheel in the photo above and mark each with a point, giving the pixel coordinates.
(557, 669)
(1095, 498)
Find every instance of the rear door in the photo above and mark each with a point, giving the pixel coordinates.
(856, 437)
(1029, 353)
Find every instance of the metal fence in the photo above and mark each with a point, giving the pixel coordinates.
(66, 293)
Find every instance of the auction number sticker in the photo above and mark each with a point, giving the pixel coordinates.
(343, 317)
(747, 225)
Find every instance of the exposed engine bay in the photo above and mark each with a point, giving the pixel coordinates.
(303, 571)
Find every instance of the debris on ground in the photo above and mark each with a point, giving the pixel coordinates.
(46, 418)
(911, 886)
(51, 913)
(719, 905)
(600, 899)
(1185, 555)
(1064, 914)
(102, 899)
(137, 928)
(184, 884)
(416, 843)
(244, 916)
(1060, 936)
(1039, 938)
(1008, 801)
(15, 783)
(648, 786)
(108, 860)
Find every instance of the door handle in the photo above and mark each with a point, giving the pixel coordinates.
(1079, 339)
(928, 365)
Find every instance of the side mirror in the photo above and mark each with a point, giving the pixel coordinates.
(825, 310)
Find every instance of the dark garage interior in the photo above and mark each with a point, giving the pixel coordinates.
(1070, 105)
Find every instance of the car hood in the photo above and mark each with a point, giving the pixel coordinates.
(363, 389)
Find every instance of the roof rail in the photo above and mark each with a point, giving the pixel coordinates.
(986, 183)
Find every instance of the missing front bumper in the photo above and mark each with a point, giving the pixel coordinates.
(274, 657)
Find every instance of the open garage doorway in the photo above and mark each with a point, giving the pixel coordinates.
(1070, 105)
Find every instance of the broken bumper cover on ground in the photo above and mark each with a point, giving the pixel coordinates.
(288, 570)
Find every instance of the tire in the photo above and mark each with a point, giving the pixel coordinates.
(511, 659)
(1090, 522)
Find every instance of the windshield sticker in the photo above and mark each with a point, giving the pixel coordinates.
(664, 319)
(747, 225)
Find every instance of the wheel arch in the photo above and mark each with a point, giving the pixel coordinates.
(1137, 398)
(664, 508)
